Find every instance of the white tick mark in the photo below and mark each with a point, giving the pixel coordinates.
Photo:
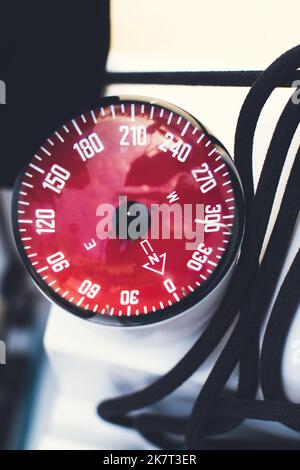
(59, 136)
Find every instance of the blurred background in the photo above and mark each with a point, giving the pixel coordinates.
(53, 59)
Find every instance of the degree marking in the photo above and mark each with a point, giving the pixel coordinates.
(76, 127)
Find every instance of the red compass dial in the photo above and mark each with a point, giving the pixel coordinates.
(129, 213)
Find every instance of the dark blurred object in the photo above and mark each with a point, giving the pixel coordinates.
(52, 59)
(22, 318)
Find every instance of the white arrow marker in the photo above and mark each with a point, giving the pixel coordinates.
(159, 261)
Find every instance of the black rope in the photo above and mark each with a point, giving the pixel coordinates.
(274, 340)
(237, 78)
(248, 295)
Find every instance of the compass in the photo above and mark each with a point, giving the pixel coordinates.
(129, 214)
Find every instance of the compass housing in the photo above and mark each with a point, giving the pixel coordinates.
(141, 152)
